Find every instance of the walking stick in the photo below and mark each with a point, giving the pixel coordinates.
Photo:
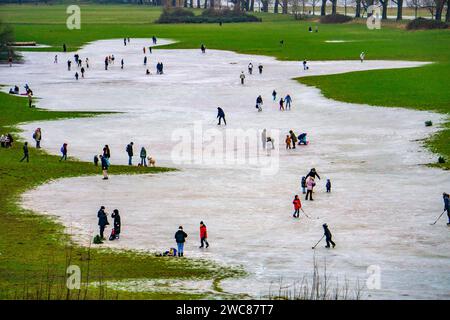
(318, 242)
(437, 218)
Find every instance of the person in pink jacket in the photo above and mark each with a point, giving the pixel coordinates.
(309, 187)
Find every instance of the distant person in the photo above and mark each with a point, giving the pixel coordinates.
(102, 221)
(250, 68)
(309, 188)
(260, 68)
(37, 136)
(124, 41)
(30, 99)
(121, 64)
(87, 63)
(288, 101)
(259, 103)
(297, 206)
(145, 60)
(180, 238)
(221, 116)
(305, 67)
(76, 75)
(25, 152)
(293, 138)
(56, 59)
(203, 48)
(264, 138)
(147, 72)
(362, 56)
(274, 95)
(129, 150)
(328, 236)
(281, 103)
(445, 196)
(106, 63)
(117, 223)
(317, 28)
(302, 139)
(328, 186)
(303, 185)
(154, 39)
(69, 63)
(310, 29)
(143, 155)
(242, 77)
(96, 159)
(143, 49)
(82, 72)
(288, 142)
(64, 47)
(203, 235)
(105, 166)
(63, 152)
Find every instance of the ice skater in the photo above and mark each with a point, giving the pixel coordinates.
(203, 235)
(121, 64)
(82, 72)
(102, 221)
(154, 39)
(302, 139)
(250, 68)
(129, 150)
(69, 64)
(242, 77)
(303, 185)
(145, 60)
(259, 103)
(106, 63)
(288, 101)
(221, 116)
(328, 186)
(281, 104)
(297, 206)
(260, 68)
(328, 236)
(274, 95)
(76, 75)
(180, 238)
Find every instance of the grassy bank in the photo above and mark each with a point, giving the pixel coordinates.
(34, 251)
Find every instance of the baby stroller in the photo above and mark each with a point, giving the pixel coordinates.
(302, 139)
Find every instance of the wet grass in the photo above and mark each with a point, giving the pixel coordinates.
(35, 251)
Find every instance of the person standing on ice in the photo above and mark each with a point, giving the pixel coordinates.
(264, 138)
(63, 152)
(293, 138)
(260, 68)
(180, 238)
(303, 184)
(309, 188)
(37, 136)
(221, 115)
(154, 39)
(281, 104)
(143, 49)
(145, 60)
(117, 223)
(82, 72)
(305, 67)
(242, 77)
(445, 196)
(288, 101)
(259, 103)
(102, 221)
(328, 236)
(203, 235)
(143, 155)
(328, 185)
(297, 206)
(125, 42)
(203, 48)
(313, 173)
(274, 95)
(69, 63)
(250, 68)
(129, 150)
(76, 75)
(106, 63)
(87, 63)
(56, 59)
(105, 166)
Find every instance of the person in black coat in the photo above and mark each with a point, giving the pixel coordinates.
(25, 153)
(117, 223)
(102, 220)
(180, 238)
(313, 173)
(221, 115)
(328, 236)
(130, 153)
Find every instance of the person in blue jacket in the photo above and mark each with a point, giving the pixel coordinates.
(221, 115)
(445, 196)
(102, 220)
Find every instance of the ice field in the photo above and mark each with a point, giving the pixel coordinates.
(382, 202)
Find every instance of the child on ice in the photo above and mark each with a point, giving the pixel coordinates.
(297, 206)
(288, 142)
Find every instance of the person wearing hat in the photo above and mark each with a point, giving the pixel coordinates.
(445, 196)
(328, 236)
(203, 235)
(180, 238)
(102, 220)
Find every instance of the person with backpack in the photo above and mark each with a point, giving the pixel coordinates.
(102, 221)
(117, 223)
(221, 115)
(129, 150)
(143, 155)
(303, 185)
(25, 152)
(203, 235)
(64, 152)
(297, 206)
(328, 236)
(180, 238)
(37, 136)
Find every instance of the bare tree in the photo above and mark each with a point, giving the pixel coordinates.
(399, 4)
(384, 7)
(314, 4)
(447, 15)
(333, 7)
(439, 9)
(323, 8)
(415, 4)
(357, 8)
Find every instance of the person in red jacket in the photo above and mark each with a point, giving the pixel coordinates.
(297, 206)
(203, 235)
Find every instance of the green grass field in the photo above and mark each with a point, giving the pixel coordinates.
(33, 247)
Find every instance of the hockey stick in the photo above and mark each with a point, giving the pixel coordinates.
(437, 218)
(307, 215)
(318, 242)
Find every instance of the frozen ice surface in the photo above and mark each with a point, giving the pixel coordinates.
(382, 202)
